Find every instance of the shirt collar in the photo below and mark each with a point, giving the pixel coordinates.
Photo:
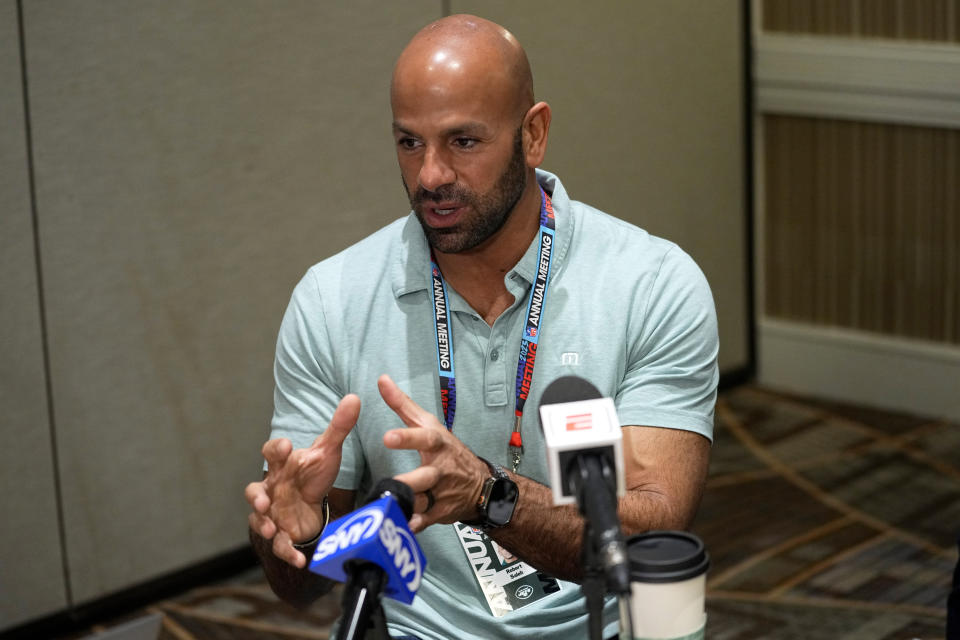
(410, 271)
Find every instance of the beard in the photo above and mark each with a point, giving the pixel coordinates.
(490, 210)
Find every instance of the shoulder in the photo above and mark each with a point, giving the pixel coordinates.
(363, 266)
(597, 242)
(656, 285)
(604, 241)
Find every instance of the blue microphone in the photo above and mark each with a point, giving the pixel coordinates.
(374, 552)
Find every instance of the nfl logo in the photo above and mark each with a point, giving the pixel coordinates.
(532, 332)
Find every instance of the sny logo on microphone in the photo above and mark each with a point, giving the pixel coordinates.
(396, 540)
(401, 546)
(580, 421)
(359, 526)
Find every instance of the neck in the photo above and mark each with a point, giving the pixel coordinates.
(477, 274)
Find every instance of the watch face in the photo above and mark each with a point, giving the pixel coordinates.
(503, 498)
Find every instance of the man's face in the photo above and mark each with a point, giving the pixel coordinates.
(456, 218)
(460, 151)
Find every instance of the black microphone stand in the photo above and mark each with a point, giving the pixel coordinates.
(603, 556)
(594, 585)
(363, 617)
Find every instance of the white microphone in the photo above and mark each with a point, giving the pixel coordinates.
(576, 420)
(585, 460)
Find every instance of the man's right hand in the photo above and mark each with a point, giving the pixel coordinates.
(288, 502)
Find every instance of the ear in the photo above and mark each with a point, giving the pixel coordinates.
(536, 127)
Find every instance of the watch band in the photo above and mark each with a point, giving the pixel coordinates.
(495, 470)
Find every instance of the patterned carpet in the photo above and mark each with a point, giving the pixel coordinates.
(822, 520)
(828, 521)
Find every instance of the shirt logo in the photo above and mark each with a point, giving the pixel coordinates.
(570, 358)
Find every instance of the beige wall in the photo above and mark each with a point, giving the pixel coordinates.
(30, 559)
(183, 187)
(193, 159)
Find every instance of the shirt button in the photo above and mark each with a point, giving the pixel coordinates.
(494, 355)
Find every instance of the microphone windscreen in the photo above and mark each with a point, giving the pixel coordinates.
(569, 389)
(400, 491)
(375, 533)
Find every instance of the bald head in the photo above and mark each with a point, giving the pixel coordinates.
(469, 136)
(465, 53)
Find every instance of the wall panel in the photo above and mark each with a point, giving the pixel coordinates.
(647, 124)
(933, 20)
(862, 226)
(193, 159)
(31, 567)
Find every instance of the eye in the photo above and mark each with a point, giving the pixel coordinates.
(408, 143)
(464, 142)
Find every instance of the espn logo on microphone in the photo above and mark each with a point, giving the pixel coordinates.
(580, 421)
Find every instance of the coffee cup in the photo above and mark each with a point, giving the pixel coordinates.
(668, 571)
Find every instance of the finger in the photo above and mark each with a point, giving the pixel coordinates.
(409, 411)
(419, 439)
(422, 502)
(283, 549)
(420, 479)
(276, 451)
(343, 420)
(418, 522)
(262, 525)
(257, 497)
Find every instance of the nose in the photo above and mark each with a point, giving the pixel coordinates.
(435, 170)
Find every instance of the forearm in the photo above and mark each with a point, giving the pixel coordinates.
(550, 538)
(297, 587)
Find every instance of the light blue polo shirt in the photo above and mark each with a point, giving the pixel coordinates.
(629, 312)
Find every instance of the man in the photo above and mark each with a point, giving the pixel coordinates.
(495, 261)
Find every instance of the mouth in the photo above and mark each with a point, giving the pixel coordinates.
(442, 214)
(443, 208)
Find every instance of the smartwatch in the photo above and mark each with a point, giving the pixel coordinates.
(498, 499)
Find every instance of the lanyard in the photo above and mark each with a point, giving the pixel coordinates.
(528, 344)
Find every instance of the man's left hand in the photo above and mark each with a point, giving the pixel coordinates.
(449, 471)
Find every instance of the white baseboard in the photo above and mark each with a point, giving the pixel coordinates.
(922, 378)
